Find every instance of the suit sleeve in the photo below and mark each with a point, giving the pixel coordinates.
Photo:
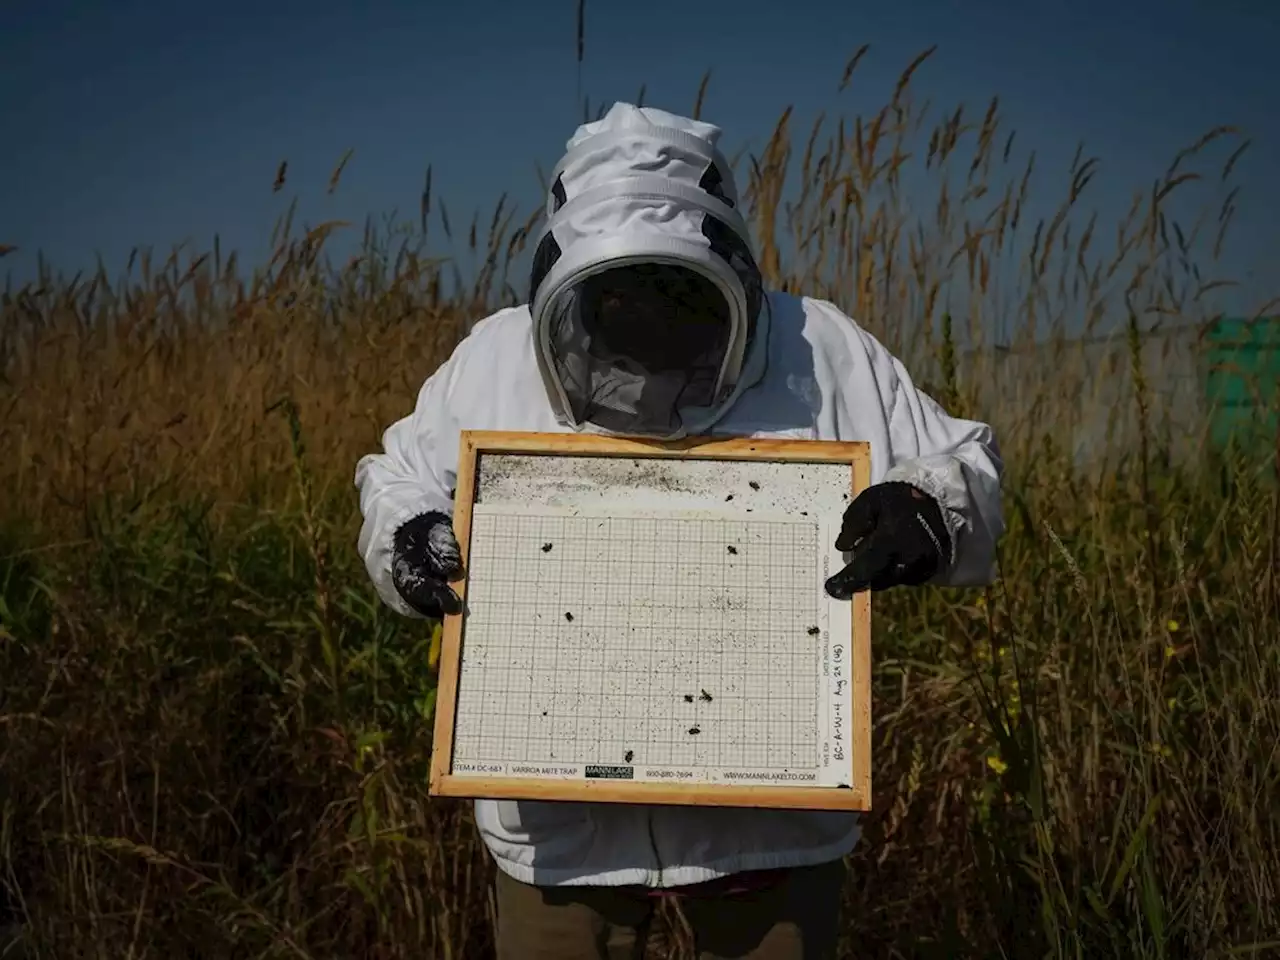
(415, 473)
(954, 460)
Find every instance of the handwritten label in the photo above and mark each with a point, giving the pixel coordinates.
(837, 730)
(839, 683)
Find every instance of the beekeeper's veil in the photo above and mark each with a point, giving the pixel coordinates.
(644, 291)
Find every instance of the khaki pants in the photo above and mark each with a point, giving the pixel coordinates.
(797, 919)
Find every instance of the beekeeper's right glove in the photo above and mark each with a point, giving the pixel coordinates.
(425, 557)
(897, 536)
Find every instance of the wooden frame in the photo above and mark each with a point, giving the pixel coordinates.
(444, 783)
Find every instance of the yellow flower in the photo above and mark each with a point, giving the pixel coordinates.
(1169, 652)
(996, 764)
(1171, 702)
(1173, 626)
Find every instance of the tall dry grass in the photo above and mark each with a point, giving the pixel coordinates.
(215, 740)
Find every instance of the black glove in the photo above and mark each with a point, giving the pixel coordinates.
(896, 534)
(424, 558)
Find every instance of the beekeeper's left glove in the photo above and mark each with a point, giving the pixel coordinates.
(897, 536)
(425, 557)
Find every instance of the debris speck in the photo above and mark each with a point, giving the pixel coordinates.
(814, 631)
(568, 616)
(546, 548)
(804, 513)
(688, 698)
(754, 485)
(630, 754)
(733, 550)
(544, 713)
(694, 731)
(728, 498)
(705, 696)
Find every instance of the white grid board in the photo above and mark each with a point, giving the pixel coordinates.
(655, 620)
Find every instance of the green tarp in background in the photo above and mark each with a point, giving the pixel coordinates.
(1242, 383)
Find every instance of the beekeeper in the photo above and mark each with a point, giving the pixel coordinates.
(647, 317)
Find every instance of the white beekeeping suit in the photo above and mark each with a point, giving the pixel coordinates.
(648, 190)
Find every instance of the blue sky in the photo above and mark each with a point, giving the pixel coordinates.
(132, 123)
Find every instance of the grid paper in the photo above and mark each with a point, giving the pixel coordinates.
(652, 648)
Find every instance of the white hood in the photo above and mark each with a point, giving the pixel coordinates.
(640, 186)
